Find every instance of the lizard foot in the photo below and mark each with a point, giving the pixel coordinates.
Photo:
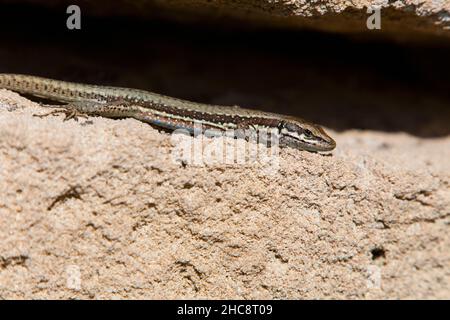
(69, 113)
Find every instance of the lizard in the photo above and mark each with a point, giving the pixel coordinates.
(166, 112)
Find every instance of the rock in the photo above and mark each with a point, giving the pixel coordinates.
(412, 19)
(99, 209)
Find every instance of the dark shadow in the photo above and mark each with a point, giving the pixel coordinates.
(334, 80)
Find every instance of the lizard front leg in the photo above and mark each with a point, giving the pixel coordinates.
(73, 110)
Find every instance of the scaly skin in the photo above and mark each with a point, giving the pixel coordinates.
(167, 112)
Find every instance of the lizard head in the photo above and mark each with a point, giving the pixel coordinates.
(299, 134)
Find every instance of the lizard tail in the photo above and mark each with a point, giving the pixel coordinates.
(42, 87)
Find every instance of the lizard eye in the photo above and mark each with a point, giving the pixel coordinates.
(308, 133)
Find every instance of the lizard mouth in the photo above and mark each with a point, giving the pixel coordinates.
(316, 145)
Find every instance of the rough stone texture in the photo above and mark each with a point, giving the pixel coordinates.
(403, 18)
(104, 199)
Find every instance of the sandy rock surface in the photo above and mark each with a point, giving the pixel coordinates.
(99, 208)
